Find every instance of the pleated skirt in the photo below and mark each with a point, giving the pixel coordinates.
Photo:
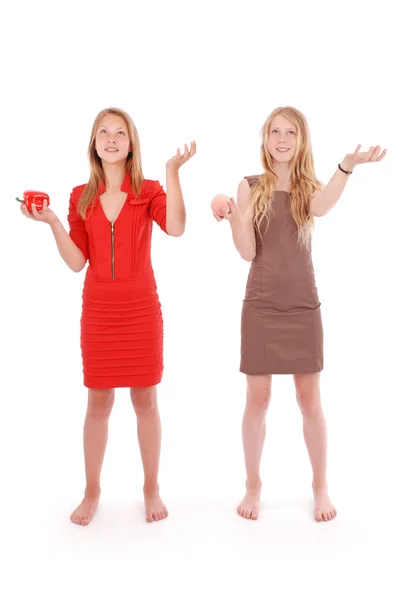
(121, 333)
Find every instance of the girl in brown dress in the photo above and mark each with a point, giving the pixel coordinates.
(281, 326)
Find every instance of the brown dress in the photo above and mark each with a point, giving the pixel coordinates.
(281, 326)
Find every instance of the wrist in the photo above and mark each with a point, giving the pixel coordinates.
(54, 221)
(346, 166)
(172, 170)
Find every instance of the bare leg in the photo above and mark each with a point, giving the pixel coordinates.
(315, 434)
(144, 401)
(100, 404)
(253, 437)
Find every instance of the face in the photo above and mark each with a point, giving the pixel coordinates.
(112, 140)
(282, 139)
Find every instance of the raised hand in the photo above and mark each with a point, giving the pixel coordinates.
(373, 155)
(46, 215)
(176, 161)
(223, 207)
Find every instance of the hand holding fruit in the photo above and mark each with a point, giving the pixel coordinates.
(35, 206)
(223, 207)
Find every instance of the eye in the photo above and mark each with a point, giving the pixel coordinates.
(102, 131)
(122, 132)
(274, 131)
(293, 132)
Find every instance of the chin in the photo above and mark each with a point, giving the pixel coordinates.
(113, 159)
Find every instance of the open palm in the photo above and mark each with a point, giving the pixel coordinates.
(179, 159)
(357, 158)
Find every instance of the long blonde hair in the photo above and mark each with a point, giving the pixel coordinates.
(303, 181)
(133, 164)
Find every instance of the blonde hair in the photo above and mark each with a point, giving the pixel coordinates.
(303, 181)
(133, 164)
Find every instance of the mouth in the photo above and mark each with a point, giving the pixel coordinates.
(112, 150)
(283, 150)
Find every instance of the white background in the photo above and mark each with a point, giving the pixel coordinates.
(210, 72)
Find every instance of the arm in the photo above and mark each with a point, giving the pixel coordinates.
(324, 201)
(70, 252)
(176, 216)
(242, 228)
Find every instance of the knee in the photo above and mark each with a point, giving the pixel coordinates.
(100, 404)
(144, 401)
(309, 403)
(258, 400)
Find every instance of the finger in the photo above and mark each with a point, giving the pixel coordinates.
(232, 206)
(376, 153)
(34, 211)
(193, 144)
(382, 155)
(26, 212)
(371, 152)
(217, 217)
(357, 149)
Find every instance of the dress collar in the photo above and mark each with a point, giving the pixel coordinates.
(126, 187)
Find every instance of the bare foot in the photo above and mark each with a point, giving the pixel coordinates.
(154, 507)
(249, 507)
(324, 508)
(84, 513)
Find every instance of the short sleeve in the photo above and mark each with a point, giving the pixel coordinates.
(78, 232)
(158, 206)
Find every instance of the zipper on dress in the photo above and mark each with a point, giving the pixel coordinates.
(112, 250)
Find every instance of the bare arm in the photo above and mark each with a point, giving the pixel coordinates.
(324, 201)
(242, 228)
(69, 252)
(176, 215)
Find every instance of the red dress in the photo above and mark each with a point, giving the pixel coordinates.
(121, 323)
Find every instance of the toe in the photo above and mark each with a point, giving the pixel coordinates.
(318, 516)
(247, 514)
(149, 517)
(254, 515)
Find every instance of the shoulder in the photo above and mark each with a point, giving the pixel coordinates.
(249, 180)
(150, 185)
(77, 192)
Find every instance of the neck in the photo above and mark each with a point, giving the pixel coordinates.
(113, 175)
(283, 170)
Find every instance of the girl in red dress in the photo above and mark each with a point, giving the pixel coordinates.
(110, 225)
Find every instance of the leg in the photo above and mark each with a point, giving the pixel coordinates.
(144, 401)
(253, 437)
(100, 403)
(314, 428)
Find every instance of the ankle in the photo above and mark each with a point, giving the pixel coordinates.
(253, 485)
(92, 489)
(319, 485)
(150, 489)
